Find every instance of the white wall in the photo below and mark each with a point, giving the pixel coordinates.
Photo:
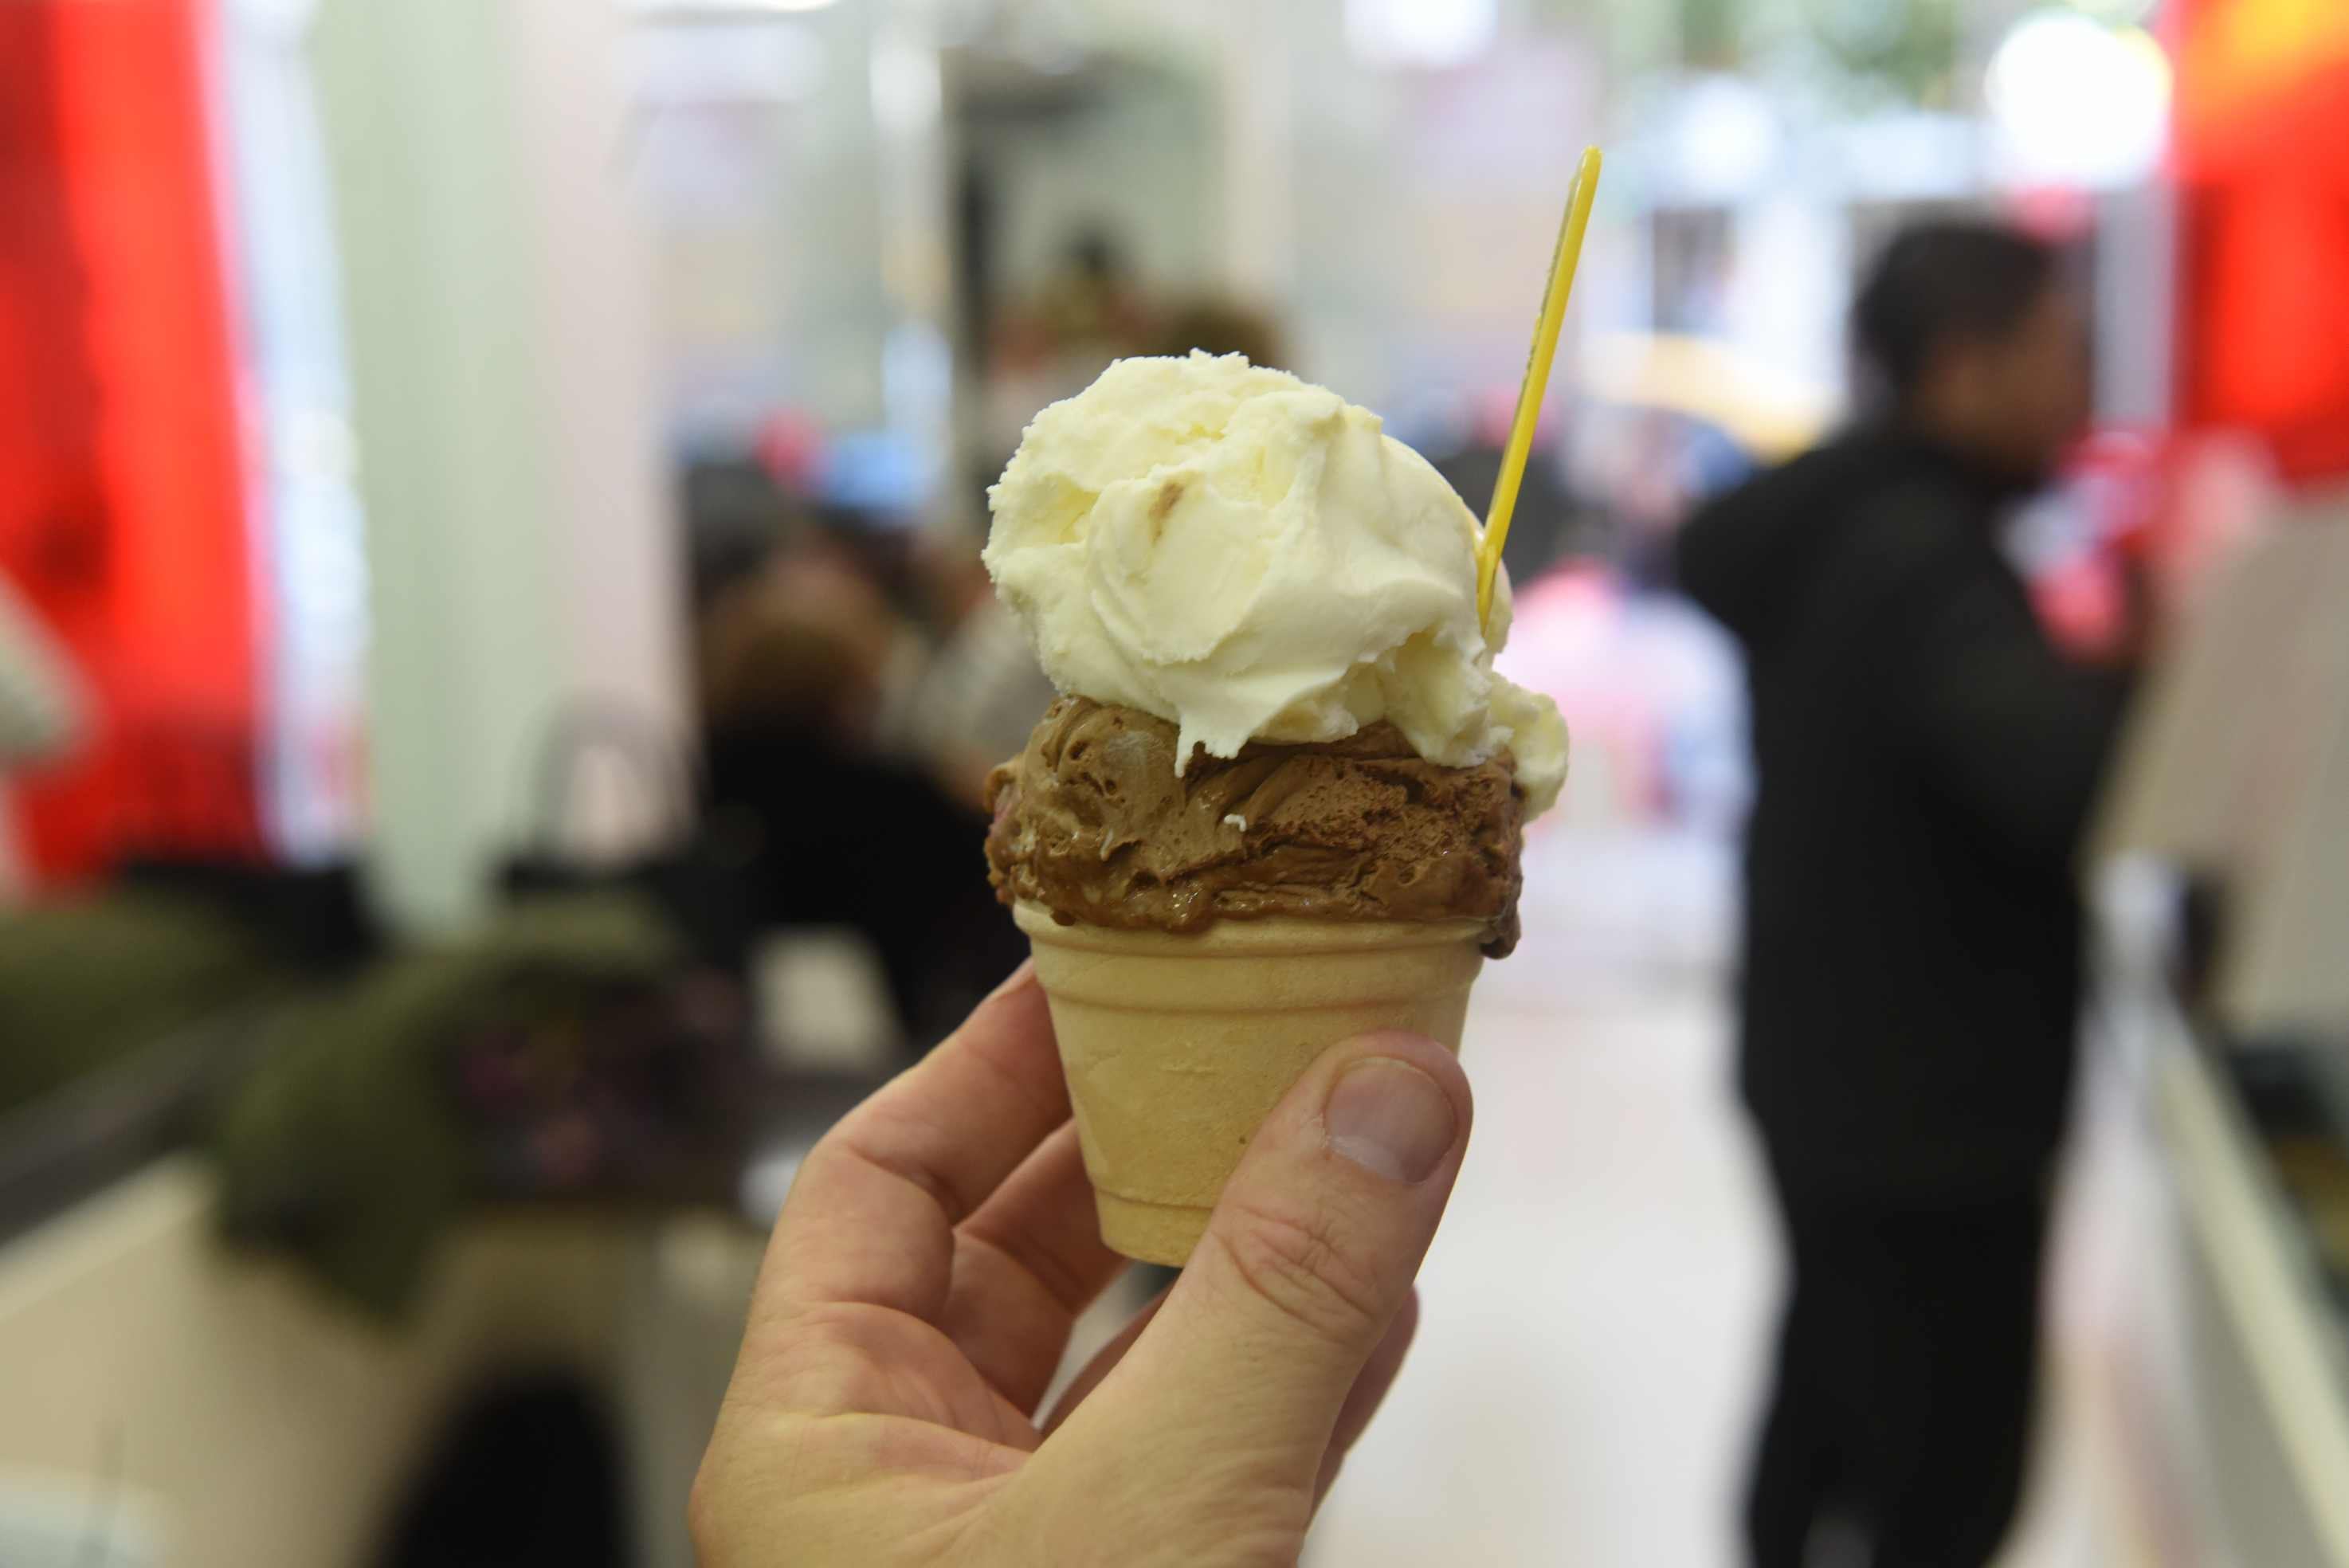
(1399, 220)
(767, 175)
(1139, 165)
(522, 556)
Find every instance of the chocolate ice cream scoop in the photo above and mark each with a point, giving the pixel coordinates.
(1092, 822)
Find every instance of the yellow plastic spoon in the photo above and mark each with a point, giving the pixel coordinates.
(1562, 263)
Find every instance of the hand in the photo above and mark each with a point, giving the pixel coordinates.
(937, 1246)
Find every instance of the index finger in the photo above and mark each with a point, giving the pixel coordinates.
(869, 1220)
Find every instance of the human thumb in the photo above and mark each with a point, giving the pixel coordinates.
(1238, 1381)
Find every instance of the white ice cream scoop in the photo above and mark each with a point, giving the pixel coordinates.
(1251, 557)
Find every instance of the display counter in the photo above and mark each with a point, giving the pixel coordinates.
(2222, 878)
(2268, 1338)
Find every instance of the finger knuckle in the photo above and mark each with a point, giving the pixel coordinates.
(1297, 1260)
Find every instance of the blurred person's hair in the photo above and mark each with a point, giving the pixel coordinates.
(1219, 327)
(1093, 253)
(757, 663)
(756, 670)
(736, 517)
(1939, 282)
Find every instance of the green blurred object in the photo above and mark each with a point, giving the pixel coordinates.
(1886, 53)
(346, 1145)
(84, 985)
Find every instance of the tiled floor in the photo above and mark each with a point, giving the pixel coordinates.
(1596, 1308)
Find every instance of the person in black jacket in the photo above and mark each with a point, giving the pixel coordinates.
(1911, 964)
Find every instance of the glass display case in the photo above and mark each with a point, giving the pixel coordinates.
(2226, 927)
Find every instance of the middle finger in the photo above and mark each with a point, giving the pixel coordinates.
(1025, 1266)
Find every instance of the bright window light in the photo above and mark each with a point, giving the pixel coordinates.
(687, 10)
(1424, 32)
(2078, 102)
(2116, 12)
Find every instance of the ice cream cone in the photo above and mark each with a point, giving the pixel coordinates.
(1177, 1044)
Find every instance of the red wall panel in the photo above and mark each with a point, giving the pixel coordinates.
(121, 474)
(2263, 162)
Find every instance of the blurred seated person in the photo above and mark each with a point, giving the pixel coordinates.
(796, 659)
(1926, 760)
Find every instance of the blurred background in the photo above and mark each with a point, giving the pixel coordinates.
(495, 680)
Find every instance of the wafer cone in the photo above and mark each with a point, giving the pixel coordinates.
(1176, 1045)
